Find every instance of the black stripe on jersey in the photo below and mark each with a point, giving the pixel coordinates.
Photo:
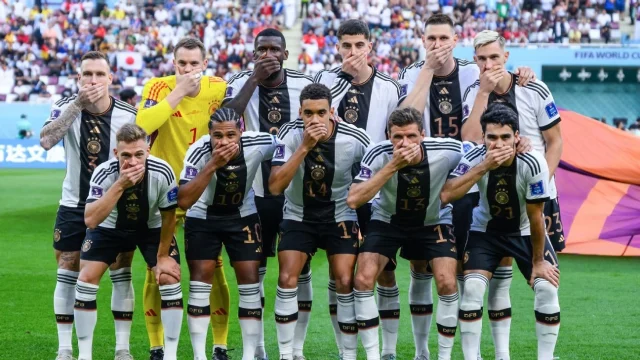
(358, 134)
(66, 100)
(379, 149)
(471, 155)
(386, 77)
(197, 154)
(94, 146)
(342, 85)
(418, 64)
(445, 111)
(503, 200)
(105, 172)
(133, 211)
(258, 137)
(538, 89)
(443, 147)
(298, 75)
(317, 182)
(412, 194)
(466, 92)
(126, 107)
(238, 76)
(355, 105)
(316, 79)
(531, 162)
(256, 143)
(230, 188)
(162, 169)
(550, 125)
(286, 128)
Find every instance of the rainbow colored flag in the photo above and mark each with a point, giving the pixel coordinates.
(598, 184)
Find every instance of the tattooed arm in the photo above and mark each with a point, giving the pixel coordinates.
(54, 131)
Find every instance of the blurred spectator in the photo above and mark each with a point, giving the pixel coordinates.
(24, 128)
(128, 96)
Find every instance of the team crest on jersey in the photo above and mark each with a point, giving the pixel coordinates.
(551, 109)
(149, 103)
(94, 146)
(466, 147)
(365, 173)
(502, 197)
(274, 116)
(414, 191)
(96, 191)
(461, 169)
(317, 172)
(351, 116)
(55, 114)
(465, 111)
(445, 106)
(56, 235)
(86, 245)
(190, 172)
(403, 89)
(229, 92)
(172, 195)
(279, 153)
(537, 188)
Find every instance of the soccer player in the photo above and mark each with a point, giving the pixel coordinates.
(312, 167)
(538, 120)
(508, 223)
(408, 171)
(131, 202)
(268, 97)
(216, 188)
(87, 123)
(364, 97)
(175, 110)
(438, 85)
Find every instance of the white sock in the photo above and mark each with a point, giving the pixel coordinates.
(250, 318)
(447, 321)
(471, 314)
(421, 306)
(86, 317)
(199, 313)
(286, 313)
(171, 313)
(368, 323)
(460, 280)
(499, 309)
(547, 310)
(333, 312)
(261, 353)
(305, 297)
(122, 304)
(63, 300)
(389, 311)
(347, 320)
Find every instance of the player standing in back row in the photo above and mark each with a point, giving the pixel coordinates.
(538, 120)
(175, 110)
(507, 223)
(364, 97)
(87, 123)
(269, 97)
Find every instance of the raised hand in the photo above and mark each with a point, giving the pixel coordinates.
(437, 57)
(222, 154)
(265, 66)
(489, 79)
(130, 175)
(354, 62)
(403, 156)
(496, 157)
(89, 94)
(188, 82)
(313, 132)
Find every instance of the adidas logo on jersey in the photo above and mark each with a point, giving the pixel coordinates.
(233, 176)
(132, 197)
(275, 100)
(319, 158)
(444, 91)
(502, 182)
(353, 100)
(414, 180)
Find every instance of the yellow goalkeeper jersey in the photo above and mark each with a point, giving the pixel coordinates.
(172, 131)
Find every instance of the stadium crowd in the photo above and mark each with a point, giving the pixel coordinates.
(37, 42)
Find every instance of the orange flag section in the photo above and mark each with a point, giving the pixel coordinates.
(600, 149)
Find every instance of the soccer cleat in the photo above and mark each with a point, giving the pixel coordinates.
(391, 357)
(123, 355)
(65, 355)
(220, 354)
(157, 354)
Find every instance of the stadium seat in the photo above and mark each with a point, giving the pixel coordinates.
(53, 80)
(51, 89)
(44, 79)
(130, 82)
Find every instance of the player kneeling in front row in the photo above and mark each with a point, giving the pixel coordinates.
(507, 223)
(312, 165)
(131, 202)
(409, 171)
(215, 187)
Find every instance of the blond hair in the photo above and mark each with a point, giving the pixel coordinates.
(130, 133)
(487, 37)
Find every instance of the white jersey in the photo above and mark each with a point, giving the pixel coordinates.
(534, 105)
(443, 116)
(139, 206)
(505, 192)
(367, 105)
(269, 109)
(229, 194)
(88, 143)
(411, 198)
(318, 191)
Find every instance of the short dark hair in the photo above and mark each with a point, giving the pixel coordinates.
(127, 94)
(190, 43)
(268, 33)
(439, 19)
(223, 115)
(405, 116)
(499, 114)
(95, 55)
(130, 133)
(315, 92)
(354, 27)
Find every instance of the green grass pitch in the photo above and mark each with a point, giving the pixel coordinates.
(598, 296)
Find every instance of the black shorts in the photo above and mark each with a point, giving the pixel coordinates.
(364, 217)
(553, 221)
(270, 211)
(334, 238)
(70, 229)
(423, 243)
(485, 250)
(203, 239)
(462, 216)
(104, 245)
